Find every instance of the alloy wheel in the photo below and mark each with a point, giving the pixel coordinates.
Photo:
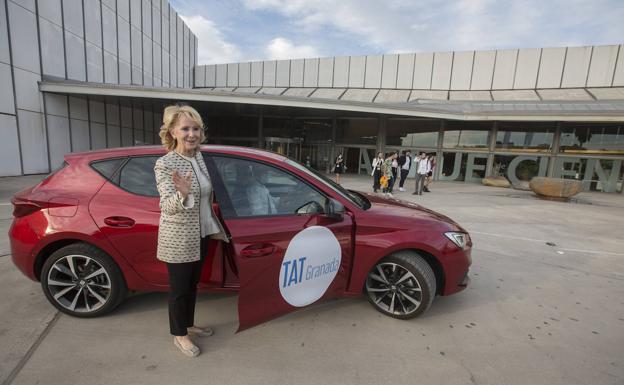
(79, 283)
(394, 289)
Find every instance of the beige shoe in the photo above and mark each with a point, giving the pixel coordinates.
(192, 351)
(200, 332)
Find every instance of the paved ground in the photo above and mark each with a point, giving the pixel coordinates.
(534, 314)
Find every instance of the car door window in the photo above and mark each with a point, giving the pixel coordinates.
(258, 189)
(107, 167)
(137, 176)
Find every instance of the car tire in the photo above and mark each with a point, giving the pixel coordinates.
(401, 285)
(82, 281)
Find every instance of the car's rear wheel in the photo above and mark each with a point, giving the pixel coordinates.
(83, 281)
(402, 285)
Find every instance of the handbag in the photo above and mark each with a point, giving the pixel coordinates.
(383, 181)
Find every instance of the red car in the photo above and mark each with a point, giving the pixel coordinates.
(88, 232)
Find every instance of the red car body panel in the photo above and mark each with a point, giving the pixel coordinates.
(393, 225)
(79, 204)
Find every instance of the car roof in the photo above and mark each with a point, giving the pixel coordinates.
(89, 156)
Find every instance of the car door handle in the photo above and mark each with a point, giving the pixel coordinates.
(119, 221)
(260, 250)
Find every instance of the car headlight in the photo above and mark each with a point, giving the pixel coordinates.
(460, 239)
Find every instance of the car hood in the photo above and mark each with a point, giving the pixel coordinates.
(398, 208)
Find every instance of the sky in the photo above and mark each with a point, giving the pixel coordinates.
(247, 30)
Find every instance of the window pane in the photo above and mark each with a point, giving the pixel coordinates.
(256, 189)
(357, 131)
(467, 134)
(137, 176)
(413, 133)
(231, 127)
(106, 168)
(313, 130)
(601, 138)
(238, 142)
(278, 127)
(532, 137)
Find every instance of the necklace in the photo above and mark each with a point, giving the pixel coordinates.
(191, 155)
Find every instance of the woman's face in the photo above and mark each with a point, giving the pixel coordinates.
(380, 155)
(187, 134)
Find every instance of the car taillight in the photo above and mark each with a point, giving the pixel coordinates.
(23, 209)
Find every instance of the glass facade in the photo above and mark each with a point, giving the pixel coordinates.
(519, 168)
(234, 127)
(597, 138)
(314, 130)
(278, 127)
(412, 133)
(466, 150)
(461, 135)
(525, 136)
(357, 130)
(463, 167)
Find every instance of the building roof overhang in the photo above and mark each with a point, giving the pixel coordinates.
(560, 110)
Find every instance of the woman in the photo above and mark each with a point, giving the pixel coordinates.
(377, 162)
(386, 170)
(339, 168)
(187, 222)
(432, 165)
(395, 170)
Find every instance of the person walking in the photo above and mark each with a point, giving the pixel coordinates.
(386, 172)
(394, 167)
(405, 162)
(376, 173)
(339, 167)
(422, 169)
(429, 179)
(187, 222)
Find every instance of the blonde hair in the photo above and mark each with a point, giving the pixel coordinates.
(171, 115)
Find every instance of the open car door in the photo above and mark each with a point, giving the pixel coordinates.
(290, 251)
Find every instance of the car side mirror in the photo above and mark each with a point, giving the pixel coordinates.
(334, 209)
(312, 207)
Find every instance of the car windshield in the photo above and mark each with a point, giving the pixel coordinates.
(353, 196)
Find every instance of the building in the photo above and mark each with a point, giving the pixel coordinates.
(518, 112)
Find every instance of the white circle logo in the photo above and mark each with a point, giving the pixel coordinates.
(310, 264)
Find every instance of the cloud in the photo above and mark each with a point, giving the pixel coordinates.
(282, 48)
(433, 25)
(212, 46)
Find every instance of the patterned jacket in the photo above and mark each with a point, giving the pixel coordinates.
(179, 233)
(386, 168)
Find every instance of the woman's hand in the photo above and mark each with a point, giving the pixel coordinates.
(182, 183)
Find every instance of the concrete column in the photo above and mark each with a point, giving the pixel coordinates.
(381, 134)
(490, 160)
(555, 150)
(260, 126)
(439, 150)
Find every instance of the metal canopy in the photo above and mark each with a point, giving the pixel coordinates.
(538, 110)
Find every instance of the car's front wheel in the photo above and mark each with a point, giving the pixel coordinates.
(402, 285)
(83, 281)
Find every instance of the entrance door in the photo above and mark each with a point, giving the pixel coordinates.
(289, 253)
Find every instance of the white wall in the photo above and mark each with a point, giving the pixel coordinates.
(140, 42)
(518, 69)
